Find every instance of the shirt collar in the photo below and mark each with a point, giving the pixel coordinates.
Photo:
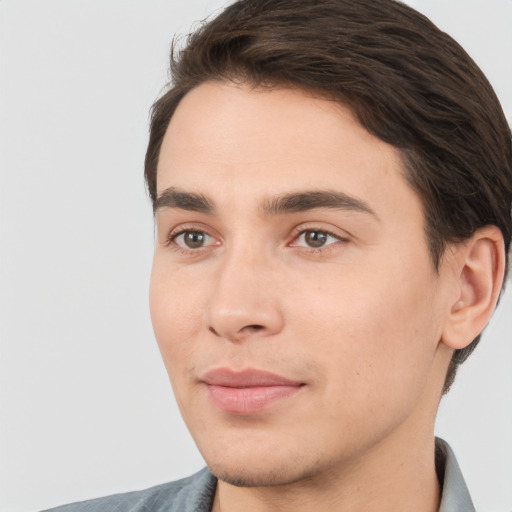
(455, 496)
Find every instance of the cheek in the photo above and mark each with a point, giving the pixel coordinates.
(375, 334)
(176, 312)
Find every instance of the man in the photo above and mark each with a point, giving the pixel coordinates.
(332, 190)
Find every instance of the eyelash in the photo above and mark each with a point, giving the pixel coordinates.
(171, 239)
(316, 250)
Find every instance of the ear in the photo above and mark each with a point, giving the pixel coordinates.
(480, 271)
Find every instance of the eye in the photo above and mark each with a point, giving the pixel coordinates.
(192, 239)
(315, 238)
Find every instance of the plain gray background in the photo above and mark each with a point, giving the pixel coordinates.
(85, 405)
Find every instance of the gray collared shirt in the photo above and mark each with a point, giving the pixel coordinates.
(196, 493)
(455, 496)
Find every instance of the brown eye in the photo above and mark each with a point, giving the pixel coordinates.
(315, 238)
(192, 239)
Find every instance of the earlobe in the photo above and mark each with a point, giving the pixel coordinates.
(480, 272)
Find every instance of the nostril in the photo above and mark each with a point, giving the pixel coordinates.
(245, 329)
(254, 327)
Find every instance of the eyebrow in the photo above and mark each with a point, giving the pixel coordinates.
(174, 198)
(310, 200)
(294, 202)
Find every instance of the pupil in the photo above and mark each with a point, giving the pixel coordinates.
(194, 240)
(315, 238)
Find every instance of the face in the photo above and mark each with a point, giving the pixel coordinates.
(292, 294)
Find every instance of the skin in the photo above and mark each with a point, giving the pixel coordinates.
(361, 320)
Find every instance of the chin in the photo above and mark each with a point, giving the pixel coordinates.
(258, 476)
(254, 466)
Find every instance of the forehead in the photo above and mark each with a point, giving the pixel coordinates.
(235, 141)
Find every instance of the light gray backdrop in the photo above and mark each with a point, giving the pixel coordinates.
(85, 406)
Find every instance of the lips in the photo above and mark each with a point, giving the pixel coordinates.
(249, 391)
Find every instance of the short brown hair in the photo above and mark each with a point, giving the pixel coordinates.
(409, 83)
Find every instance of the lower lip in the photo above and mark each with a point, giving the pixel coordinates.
(249, 400)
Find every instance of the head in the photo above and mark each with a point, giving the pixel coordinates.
(385, 90)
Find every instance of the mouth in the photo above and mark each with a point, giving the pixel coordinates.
(249, 391)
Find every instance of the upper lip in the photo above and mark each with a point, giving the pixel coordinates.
(245, 378)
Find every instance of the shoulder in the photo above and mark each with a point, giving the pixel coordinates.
(194, 494)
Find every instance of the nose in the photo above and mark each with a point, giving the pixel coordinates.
(244, 301)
